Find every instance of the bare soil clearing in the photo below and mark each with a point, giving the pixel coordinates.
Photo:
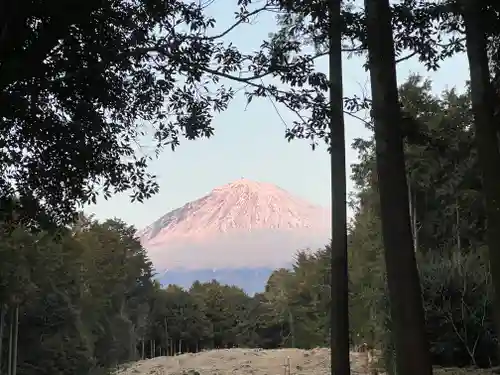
(256, 362)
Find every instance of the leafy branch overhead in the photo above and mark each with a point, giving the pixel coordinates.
(79, 81)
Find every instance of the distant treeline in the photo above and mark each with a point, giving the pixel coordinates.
(87, 301)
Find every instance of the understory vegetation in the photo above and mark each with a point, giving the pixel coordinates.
(83, 299)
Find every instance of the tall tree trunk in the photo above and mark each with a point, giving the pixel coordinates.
(407, 314)
(414, 222)
(3, 311)
(483, 108)
(142, 349)
(412, 209)
(132, 347)
(11, 334)
(166, 333)
(16, 336)
(292, 327)
(339, 310)
(457, 227)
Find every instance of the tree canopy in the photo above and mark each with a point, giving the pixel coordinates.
(79, 81)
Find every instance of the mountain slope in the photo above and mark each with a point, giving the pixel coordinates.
(242, 224)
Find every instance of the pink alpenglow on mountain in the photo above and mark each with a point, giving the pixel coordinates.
(242, 224)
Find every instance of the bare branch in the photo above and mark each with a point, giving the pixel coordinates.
(233, 26)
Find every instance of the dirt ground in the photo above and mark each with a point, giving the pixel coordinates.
(255, 362)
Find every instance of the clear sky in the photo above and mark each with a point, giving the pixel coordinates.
(250, 143)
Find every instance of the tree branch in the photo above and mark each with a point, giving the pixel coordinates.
(233, 26)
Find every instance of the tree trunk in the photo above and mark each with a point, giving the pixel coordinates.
(11, 334)
(457, 227)
(407, 314)
(414, 224)
(166, 333)
(339, 310)
(292, 327)
(16, 336)
(142, 349)
(483, 108)
(132, 351)
(413, 215)
(2, 325)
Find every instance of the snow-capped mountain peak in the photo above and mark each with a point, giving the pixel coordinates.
(244, 222)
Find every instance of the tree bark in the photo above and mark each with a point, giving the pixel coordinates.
(292, 327)
(486, 137)
(457, 227)
(339, 310)
(2, 325)
(11, 334)
(407, 314)
(413, 214)
(16, 337)
(166, 333)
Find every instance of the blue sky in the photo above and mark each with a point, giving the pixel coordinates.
(250, 143)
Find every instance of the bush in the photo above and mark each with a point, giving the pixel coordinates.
(457, 294)
(457, 298)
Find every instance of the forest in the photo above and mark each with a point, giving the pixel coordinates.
(84, 299)
(416, 273)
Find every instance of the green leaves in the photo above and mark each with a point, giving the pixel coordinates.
(78, 82)
(81, 295)
(446, 189)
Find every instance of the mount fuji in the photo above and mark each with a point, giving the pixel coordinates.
(237, 234)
